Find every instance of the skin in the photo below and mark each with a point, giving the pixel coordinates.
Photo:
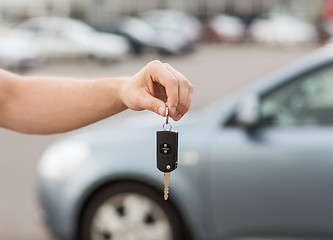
(45, 105)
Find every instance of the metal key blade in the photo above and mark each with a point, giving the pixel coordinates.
(166, 185)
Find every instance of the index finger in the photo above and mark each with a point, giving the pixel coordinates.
(185, 91)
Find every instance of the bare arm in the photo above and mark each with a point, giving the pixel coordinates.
(46, 105)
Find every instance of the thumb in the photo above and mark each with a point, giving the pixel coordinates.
(153, 104)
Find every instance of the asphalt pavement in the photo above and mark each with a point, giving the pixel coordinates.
(216, 70)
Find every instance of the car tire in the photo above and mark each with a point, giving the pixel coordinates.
(118, 197)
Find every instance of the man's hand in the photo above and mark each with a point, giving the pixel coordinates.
(153, 86)
(45, 105)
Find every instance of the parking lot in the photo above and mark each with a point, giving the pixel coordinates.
(216, 70)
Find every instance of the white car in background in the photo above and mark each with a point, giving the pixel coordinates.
(226, 28)
(278, 29)
(167, 31)
(42, 38)
(175, 31)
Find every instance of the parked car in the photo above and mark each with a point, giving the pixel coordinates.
(226, 28)
(258, 165)
(140, 34)
(167, 31)
(277, 29)
(45, 38)
(17, 54)
(176, 31)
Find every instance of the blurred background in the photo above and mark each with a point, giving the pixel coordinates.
(219, 45)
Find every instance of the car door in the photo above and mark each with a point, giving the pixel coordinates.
(277, 180)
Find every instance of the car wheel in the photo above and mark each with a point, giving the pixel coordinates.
(129, 211)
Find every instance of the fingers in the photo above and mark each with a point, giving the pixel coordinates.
(153, 104)
(185, 92)
(159, 73)
(178, 89)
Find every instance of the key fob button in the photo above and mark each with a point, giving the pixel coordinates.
(165, 148)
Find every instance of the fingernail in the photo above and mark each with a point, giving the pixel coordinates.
(160, 111)
(174, 111)
(178, 117)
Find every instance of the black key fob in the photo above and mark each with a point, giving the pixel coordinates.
(167, 150)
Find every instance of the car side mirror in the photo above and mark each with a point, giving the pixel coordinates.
(247, 114)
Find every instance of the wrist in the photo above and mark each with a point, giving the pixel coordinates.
(120, 90)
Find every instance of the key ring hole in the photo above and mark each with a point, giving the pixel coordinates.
(167, 124)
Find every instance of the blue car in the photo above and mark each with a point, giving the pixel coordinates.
(258, 165)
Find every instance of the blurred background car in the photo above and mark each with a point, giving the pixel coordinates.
(176, 31)
(226, 28)
(258, 164)
(140, 34)
(17, 54)
(168, 32)
(278, 29)
(44, 38)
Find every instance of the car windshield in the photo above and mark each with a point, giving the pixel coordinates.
(307, 100)
(59, 26)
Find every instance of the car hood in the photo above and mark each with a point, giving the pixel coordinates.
(141, 127)
(129, 129)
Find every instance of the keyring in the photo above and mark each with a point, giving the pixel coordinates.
(165, 124)
(167, 120)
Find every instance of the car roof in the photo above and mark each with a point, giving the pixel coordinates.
(316, 59)
(56, 23)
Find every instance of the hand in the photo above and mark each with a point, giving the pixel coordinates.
(154, 85)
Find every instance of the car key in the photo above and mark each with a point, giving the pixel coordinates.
(167, 153)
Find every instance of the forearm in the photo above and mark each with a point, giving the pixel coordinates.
(45, 105)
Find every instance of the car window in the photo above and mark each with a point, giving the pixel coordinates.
(307, 100)
(30, 26)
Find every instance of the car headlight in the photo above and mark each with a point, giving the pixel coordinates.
(62, 159)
